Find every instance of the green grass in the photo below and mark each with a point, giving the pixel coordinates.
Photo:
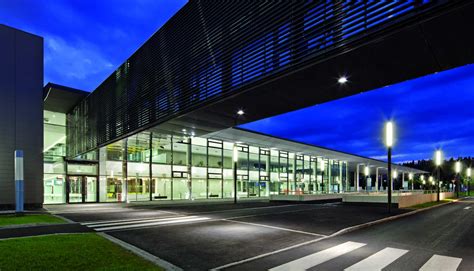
(429, 204)
(86, 251)
(6, 220)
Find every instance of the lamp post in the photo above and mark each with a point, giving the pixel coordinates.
(468, 173)
(389, 144)
(457, 168)
(438, 165)
(235, 158)
(410, 178)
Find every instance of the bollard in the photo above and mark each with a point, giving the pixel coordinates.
(19, 188)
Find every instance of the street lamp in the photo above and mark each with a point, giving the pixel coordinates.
(457, 168)
(235, 159)
(389, 144)
(410, 177)
(468, 173)
(438, 165)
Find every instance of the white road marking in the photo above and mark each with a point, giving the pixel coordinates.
(378, 260)
(141, 225)
(467, 208)
(319, 257)
(274, 227)
(128, 221)
(441, 263)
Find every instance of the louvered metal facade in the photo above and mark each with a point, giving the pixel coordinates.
(211, 50)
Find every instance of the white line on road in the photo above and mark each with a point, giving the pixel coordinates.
(194, 219)
(274, 227)
(378, 260)
(128, 221)
(441, 263)
(467, 208)
(318, 257)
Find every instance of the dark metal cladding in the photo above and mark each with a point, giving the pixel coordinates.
(211, 50)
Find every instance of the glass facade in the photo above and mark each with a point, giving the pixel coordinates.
(151, 166)
(54, 179)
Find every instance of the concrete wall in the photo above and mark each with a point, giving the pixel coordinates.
(403, 200)
(410, 200)
(21, 113)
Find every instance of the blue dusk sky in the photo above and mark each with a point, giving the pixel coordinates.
(85, 41)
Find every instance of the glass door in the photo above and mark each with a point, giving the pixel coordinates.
(90, 189)
(75, 189)
(82, 189)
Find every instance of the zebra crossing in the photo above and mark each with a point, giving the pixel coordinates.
(376, 261)
(128, 224)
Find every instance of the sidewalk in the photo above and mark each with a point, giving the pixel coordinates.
(30, 230)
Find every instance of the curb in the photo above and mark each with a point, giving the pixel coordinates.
(141, 253)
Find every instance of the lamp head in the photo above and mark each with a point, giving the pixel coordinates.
(458, 167)
(389, 134)
(438, 157)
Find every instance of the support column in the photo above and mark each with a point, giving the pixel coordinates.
(357, 179)
(403, 181)
(294, 174)
(189, 166)
(125, 171)
(269, 179)
(150, 167)
(376, 179)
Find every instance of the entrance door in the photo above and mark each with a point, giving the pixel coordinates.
(74, 189)
(81, 189)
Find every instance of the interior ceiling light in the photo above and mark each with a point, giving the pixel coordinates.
(342, 80)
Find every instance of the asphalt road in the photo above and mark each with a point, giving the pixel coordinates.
(409, 242)
(202, 237)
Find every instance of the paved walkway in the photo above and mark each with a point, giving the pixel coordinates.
(35, 230)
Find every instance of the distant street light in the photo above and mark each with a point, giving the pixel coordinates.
(438, 165)
(457, 168)
(389, 144)
(410, 178)
(468, 172)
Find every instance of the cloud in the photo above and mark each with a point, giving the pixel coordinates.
(73, 60)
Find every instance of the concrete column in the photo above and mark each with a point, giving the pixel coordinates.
(356, 188)
(376, 179)
(405, 185)
(393, 180)
(294, 174)
(189, 166)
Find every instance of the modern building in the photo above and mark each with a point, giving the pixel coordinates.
(21, 111)
(159, 165)
(162, 126)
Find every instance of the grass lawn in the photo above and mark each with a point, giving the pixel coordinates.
(86, 251)
(6, 220)
(429, 204)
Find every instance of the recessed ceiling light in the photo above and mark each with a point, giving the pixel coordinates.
(342, 80)
(240, 112)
